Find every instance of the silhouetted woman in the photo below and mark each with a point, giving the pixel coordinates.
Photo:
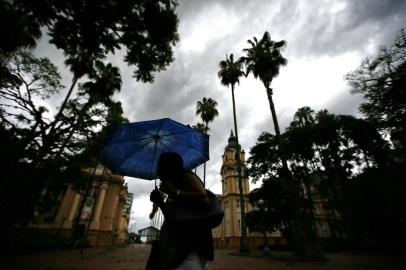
(188, 246)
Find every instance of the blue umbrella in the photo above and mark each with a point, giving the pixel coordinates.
(134, 148)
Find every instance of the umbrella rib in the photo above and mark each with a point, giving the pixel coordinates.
(155, 146)
(188, 146)
(148, 133)
(166, 146)
(144, 129)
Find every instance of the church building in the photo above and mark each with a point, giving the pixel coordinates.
(228, 234)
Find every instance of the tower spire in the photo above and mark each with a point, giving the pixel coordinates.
(232, 141)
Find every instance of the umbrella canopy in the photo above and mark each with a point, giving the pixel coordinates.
(134, 148)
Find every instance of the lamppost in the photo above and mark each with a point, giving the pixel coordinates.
(263, 210)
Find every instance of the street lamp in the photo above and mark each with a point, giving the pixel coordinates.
(263, 210)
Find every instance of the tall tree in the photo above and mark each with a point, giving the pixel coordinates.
(229, 74)
(89, 30)
(107, 81)
(206, 108)
(264, 59)
(325, 157)
(381, 80)
(24, 115)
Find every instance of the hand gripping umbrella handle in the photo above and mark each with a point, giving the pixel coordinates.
(154, 205)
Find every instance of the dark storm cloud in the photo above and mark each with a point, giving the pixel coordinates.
(191, 8)
(310, 27)
(321, 31)
(175, 91)
(385, 17)
(374, 10)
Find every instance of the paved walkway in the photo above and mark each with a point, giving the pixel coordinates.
(134, 257)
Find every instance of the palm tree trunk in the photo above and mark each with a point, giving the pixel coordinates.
(73, 129)
(63, 105)
(304, 246)
(243, 240)
(48, 142)
(277, 130)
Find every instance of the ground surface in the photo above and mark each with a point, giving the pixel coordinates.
(134, 257)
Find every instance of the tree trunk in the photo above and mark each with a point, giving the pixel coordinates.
(46, 144)
(305, 247)
(243, 240)
(65, 101)
(73, 129)
(277, 130)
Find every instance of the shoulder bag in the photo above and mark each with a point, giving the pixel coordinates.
(177, 212)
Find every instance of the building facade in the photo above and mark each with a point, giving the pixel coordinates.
(149, 234)
(101, 211)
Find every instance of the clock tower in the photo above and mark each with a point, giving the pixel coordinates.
(228, 234)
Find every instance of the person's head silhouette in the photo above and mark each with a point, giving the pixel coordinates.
(170, 166)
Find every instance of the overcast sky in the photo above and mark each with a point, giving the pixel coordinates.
(325, 40)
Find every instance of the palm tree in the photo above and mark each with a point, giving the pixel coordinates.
(304, 116)
(264, 60)
(200, 127)
(229, 74)
(322, 114)
(207, 111)
(107, 81)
